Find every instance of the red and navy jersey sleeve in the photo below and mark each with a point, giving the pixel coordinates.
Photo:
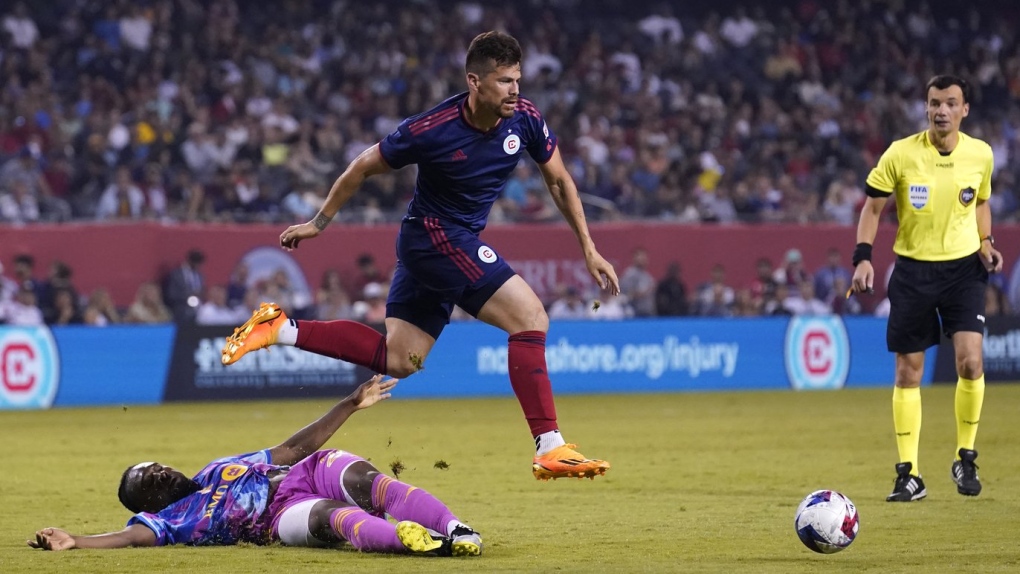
(541, 141)
(398, 149)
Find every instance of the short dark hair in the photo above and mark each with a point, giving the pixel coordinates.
(943, 81)
(122, 492)
(490, 50)
(25, 258)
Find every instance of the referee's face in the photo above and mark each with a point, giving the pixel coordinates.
(946, 109)
(498, 90)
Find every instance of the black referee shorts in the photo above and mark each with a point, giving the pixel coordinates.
(924, 295)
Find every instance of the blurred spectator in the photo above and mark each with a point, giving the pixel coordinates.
(367, 272)
(839, 303)
(744, 304)
(763, 287)
(331, 299)
(148, 306)
(777, 305)
(638, 285)
(830, 276)
(715, 297)
(792, 274)
(65, 310)
(100, 309)
(804, 302)
(21, 310)
(122, 199)
(671, 294)
(569, 305)
(184, 285)
(58, 281)
(237, 285)
(21, 28)
(24, 272)
(371, 308)
(8, 287)
(215, 310)
(609, 308)
(18, 205)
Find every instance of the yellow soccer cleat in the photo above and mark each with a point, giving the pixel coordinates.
(417, 540)
(257, 333)
(565, 462)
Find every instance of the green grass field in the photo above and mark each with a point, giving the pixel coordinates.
(700, 482)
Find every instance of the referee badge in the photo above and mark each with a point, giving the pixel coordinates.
(918, 196)
(967, 195)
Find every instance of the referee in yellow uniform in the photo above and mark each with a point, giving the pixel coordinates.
(941, 180)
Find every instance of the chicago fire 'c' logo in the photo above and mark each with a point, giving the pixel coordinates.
(512, 144)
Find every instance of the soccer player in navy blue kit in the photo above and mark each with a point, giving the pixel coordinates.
(465, 148)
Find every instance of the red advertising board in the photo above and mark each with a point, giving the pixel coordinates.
(120, 257)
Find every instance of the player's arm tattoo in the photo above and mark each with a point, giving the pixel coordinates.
(321, 221)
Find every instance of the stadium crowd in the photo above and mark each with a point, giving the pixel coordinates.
(211, 110)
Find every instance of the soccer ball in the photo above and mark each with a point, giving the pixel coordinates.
(826, 521)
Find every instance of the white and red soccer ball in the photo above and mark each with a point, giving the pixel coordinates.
(826, 521)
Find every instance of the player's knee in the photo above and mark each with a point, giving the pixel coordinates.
(402, 367)
(969, 367)
(908, 376)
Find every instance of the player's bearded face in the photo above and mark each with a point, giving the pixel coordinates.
(498, 90)
(946, 109)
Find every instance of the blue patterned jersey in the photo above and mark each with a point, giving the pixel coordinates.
(462, 171)
(235, 493)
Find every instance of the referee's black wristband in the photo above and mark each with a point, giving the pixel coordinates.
(862, 253)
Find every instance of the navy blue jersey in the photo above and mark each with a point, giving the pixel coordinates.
(461, 170)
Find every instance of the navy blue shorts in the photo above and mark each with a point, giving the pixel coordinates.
(439, 265)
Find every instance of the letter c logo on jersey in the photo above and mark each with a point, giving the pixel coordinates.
(486, 254)
(233, 472)
(512, 144)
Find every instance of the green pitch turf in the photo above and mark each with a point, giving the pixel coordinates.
(700, 482)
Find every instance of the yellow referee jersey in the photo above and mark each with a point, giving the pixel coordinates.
(935, 195)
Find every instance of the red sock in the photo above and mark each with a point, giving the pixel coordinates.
(530, 380)
(345, 340)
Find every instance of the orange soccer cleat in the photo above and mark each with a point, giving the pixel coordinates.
(565, 462)
(257, 333)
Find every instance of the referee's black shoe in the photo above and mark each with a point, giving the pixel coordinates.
(964, 473)
(908, 487)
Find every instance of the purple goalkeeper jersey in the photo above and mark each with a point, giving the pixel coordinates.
(235, 492)
(461, 170)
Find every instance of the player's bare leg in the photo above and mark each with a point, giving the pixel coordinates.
(406, 348)
(517, 310)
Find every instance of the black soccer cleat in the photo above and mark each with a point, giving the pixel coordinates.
(964, 473)
(908, 487)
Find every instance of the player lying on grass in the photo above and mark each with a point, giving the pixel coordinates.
(292, 493)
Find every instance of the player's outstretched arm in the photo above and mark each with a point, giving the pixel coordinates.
(564, 193)
(369, 163)
(312, 437)
(57, 539)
